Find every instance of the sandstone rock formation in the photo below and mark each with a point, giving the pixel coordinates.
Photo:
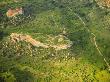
(15, 37)
(14, 12)
(20, 37)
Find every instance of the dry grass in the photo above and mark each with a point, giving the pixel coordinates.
(103, 3)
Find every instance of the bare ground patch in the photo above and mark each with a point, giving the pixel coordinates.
(15, 37)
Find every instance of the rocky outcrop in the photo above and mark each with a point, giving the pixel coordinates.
(20, 37)
(14, 12)
(27, 38)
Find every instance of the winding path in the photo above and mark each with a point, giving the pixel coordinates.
(94, 38)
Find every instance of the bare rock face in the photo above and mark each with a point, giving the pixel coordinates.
(52, 43)
(20, 37)
(14, 12)
(103, 3)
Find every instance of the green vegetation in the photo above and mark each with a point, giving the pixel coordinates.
(82, 22)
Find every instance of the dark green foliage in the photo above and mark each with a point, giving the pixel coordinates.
(22, 62)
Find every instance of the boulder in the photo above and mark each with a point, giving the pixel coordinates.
(14, 12)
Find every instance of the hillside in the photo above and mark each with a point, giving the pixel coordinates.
(54, 41)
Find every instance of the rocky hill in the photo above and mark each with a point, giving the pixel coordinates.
(54, 41)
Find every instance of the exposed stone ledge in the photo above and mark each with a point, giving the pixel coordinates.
(15, 37)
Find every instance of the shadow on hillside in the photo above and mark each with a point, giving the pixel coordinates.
(3, 34)
(36, 8)
(17, 75)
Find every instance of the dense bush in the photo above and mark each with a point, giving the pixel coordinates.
(22, 62)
